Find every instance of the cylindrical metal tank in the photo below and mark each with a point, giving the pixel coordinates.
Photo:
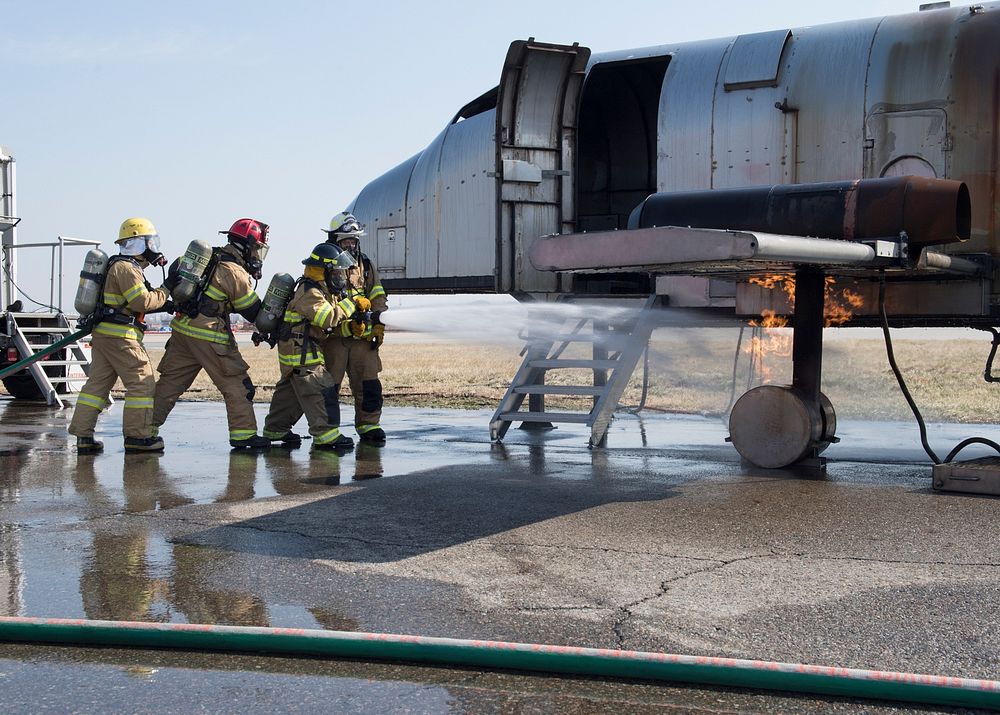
(775, 426)
(272, 308)
(190, 270)
(930, 211)
(88, 293)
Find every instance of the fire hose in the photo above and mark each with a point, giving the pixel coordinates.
(569, 660)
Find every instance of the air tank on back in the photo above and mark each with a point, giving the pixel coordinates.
(88, 293)
(190, 269)
(272, 308)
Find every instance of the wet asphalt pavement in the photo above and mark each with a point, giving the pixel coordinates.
(661, 541)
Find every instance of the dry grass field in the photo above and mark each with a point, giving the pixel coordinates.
(690, 370)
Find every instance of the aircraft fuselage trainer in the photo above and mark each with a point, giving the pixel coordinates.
(864, 150)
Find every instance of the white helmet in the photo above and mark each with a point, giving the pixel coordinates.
(345, 225)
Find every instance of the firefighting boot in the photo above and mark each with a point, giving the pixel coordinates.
(88, 445)
(341, 444)
(374, 436)
(289, 439)
(254, 442)
(143, 444)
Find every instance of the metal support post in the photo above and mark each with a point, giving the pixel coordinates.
(807, 336)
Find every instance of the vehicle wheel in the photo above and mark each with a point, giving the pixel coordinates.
(22, 387)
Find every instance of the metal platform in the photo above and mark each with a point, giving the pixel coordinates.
(975, 476)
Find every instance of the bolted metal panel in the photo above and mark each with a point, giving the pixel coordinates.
(467, 237)
(383, 203)
(423, 211)
(908, 142)
(942, 62)
(754, 60)
(749, 139)
(391, 242)
(684, 135)
(535, 125)
(822, 96)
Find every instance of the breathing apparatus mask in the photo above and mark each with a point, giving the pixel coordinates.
(254, 255)
(146, 248)
(351, 244)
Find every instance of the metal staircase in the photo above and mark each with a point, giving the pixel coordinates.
(32, 332)
(617, 348)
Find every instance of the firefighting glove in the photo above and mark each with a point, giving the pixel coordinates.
(357, 329)
(168, 307)
(378, 336)
(363, 303)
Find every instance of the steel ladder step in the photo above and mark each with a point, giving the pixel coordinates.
(577, 417)
(43, 329)
(76, 378)
(59, 363)
(582, 390)
(574, 363)
(600, 338)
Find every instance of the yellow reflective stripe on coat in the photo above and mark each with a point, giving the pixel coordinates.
(348, 306)
(214, 293)
(134, 292)
(292, 317)
(114, 299)
(141, 403)
(246, 301)
(98, 403)
(327, 437)
(183, 326)
(376, 291)
(128, 332)
(313, 357)
(322, 314)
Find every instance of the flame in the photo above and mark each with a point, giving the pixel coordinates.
(839, 305)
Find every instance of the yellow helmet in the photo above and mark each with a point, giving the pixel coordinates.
(134, 227)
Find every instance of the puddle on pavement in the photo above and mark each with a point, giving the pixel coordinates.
(60, 556)
(67, 551)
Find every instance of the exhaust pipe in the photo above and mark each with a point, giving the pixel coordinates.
(930, 211)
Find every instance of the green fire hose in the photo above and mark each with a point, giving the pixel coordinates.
(25, 362)
(600, 662)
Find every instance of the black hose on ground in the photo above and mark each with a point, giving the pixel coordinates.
(909, 398)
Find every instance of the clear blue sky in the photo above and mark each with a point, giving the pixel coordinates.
(197, 113)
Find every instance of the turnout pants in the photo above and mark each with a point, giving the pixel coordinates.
(304, 390)
(113, 358)
(361, 364)
(184, 359)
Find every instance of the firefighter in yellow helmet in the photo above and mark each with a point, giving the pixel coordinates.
(201, 336)
(117, 350)
(314, 311)
(354, 351)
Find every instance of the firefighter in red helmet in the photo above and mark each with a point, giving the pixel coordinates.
(201, 335)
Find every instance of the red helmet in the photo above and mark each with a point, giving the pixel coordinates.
(248, 231)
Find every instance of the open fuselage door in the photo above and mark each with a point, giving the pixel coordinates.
(536, 146)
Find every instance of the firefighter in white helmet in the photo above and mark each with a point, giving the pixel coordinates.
(355, 350)
(117, 350)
